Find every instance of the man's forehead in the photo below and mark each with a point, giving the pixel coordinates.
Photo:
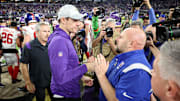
(103, 22)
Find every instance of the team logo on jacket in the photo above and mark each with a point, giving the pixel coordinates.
(120, 65)
(126, 95)
(60, 54)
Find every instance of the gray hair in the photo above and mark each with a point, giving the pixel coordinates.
(139, 23)
(169, 61)
(110, 20)
(38, 26)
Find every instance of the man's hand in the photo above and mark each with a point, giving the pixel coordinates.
(149, 43)
(147, 2)
(95, 9)
(109, 39)
(87, 80)
(138, 8)
(101, 65)
(90, 67)
(91, 59)
(90, 64)
(102, 34)
(171, 10)
(30, 87)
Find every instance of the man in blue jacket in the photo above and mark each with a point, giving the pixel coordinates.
(65, 68)
(127, 77)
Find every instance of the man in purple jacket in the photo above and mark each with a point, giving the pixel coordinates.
(65, 68)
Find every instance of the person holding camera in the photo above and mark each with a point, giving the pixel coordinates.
(146, 21)
(151, 44)
(165, 75)
(104, 43)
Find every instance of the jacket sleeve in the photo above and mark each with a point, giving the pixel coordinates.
(25, 56)
(152, 16)
(60, 63)
(135, 15)
(95, 26)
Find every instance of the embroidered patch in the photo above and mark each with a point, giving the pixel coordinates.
(60, 54)
(120, 65)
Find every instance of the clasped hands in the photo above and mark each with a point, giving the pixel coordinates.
(98, 65)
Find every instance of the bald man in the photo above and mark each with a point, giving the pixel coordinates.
(128, 76)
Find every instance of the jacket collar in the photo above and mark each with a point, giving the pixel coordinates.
(125, 55)
(63, 33)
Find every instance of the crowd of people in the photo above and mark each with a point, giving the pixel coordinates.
(92, 52)
(50, 9)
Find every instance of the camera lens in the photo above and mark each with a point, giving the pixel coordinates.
(148, 35)
(109, 32)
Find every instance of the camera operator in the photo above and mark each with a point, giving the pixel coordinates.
(151, 44)
(104, 43)
(146, 21)
(162, 32)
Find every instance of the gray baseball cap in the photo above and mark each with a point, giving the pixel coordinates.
(69, 11)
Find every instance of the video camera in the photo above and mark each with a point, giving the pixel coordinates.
(176, 13)
(167, 30)
(137, 3)
(80, 35)
(100, 12)
(148, 35)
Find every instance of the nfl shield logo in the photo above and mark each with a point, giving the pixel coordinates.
(60, 54)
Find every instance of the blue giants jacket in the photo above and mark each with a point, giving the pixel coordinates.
(129, 73)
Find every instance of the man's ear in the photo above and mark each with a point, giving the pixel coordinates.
(130, 44)
(172, 89)
(63, 20)
(133, 44)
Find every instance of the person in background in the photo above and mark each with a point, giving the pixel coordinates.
(146, 20)
(10, 38)
(35, 54)
(162, 18)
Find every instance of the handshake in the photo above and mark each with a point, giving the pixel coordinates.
(98, 65)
